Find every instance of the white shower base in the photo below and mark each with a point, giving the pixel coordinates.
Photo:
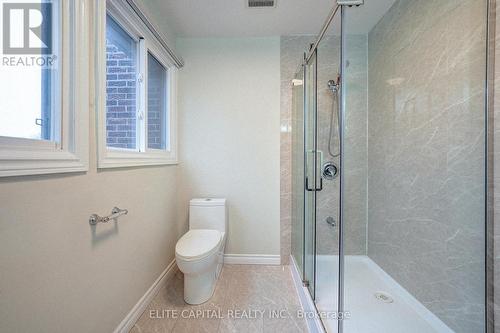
(364, 278)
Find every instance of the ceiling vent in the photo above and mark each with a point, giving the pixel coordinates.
(261, 3)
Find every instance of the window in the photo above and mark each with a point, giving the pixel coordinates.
(157, 104)
(137, 109)
(121, 87)
(40, 105)
(36, 117)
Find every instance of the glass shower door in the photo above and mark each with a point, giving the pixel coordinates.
(311, 179)
(298, 181)
(328, 224)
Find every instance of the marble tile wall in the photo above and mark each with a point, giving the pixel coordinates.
(426, 154)
(327, 200)
(356, 146)
(355, 167)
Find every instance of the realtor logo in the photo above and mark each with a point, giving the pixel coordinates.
(27, 28)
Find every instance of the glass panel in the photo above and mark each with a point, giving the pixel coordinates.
(157, 104)
(327, 200)
(414, 168)
(298, 170)
(31, 70)
(310, 175)
(121, 87)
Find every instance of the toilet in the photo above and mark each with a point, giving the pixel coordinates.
(200, 252)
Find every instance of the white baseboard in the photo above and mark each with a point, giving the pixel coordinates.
(128, 322)
(252, 259)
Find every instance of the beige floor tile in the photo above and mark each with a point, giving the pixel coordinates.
(240, 288)
(286, 322)
(241, 325)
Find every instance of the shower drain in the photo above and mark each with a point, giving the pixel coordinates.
(386, 298)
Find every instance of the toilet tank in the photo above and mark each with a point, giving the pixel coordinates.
(208, 213)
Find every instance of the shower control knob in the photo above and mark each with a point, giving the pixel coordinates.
(330, 171)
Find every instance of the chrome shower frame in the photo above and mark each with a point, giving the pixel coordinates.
(340, 82)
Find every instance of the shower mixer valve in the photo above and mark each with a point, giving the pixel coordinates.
(330, 171)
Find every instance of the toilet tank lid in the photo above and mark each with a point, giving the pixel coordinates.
(208, 202)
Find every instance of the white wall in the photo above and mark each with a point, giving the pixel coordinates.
(229, 118)
(55, 275)
(158, 16)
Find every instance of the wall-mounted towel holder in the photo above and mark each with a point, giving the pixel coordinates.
(115, 214)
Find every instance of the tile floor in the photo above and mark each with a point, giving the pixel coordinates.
(242, 291)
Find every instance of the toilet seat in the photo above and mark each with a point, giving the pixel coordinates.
(198, 244)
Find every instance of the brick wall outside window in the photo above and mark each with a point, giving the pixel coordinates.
(121, 101)
(121, 87)
(156, 105)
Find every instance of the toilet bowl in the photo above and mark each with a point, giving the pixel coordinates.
(200, 252)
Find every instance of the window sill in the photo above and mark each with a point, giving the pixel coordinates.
(40, 168)
(122, 159)
(24, 157)
(39, 162)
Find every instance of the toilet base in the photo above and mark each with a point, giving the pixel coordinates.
(199, 288)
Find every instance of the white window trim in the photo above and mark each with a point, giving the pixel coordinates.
(115, 157)
(19, 156)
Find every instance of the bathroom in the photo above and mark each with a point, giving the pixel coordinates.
(249, 166)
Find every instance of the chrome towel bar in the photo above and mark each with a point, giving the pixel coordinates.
(115, 214)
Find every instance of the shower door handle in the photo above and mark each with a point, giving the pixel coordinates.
(320, 188)
(317, 175)
(307, 185)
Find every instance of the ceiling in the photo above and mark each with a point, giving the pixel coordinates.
(232, 18)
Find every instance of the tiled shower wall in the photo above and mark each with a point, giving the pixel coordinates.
(355, 167)
(356, 146)
(426, 154)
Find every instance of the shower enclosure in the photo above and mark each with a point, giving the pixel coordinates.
(389, 135)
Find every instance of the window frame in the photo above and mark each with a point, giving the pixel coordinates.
(22, 156)
(109, 157)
